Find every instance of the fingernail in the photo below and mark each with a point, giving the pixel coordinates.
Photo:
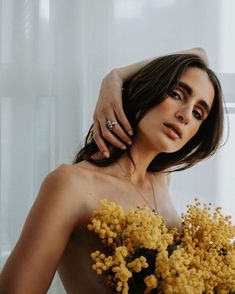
(129, 142)
(106, 154)
(130, 133)
(123, 147)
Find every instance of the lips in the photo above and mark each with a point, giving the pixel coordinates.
(175, 128)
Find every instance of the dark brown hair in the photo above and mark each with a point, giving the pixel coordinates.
(149, 87)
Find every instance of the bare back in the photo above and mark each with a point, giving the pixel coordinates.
(95, 184)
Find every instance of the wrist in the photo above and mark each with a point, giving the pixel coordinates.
(121, 74)
(116, 76)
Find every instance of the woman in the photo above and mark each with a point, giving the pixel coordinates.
(109, 104)
(173, 104)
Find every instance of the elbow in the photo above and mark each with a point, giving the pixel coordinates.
(202, 53)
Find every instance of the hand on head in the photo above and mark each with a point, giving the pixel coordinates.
(109, 120)
(111, 126)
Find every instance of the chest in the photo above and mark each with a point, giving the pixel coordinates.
(128, 196)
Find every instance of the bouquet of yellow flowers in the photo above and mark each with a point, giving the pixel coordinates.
(143, 256)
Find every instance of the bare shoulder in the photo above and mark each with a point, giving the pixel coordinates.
(69, 177)
(71, 180)
(57, 183)
(48, 227)
(62, 193)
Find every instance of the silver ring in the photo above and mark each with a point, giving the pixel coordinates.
(110, 124)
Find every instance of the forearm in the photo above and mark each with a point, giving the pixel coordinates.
(128, 71)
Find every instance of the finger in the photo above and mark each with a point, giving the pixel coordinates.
(120, 133)
(123, 120)
(113, 140)
(98, 139)
(109, 136)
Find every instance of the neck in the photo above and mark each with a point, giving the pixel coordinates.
(142, 158)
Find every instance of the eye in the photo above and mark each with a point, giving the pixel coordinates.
(198, 115)
(176, 95)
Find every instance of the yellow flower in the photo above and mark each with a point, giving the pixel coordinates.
(200, 260)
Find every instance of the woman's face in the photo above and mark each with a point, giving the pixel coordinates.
(168, 126)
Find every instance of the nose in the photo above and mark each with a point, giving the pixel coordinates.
(184, 115)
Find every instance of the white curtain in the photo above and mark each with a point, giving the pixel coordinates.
(53, 55)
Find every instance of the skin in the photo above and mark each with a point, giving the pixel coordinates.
(109, 104)
(55, 234)
(180, 109)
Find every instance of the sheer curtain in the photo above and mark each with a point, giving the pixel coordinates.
(53, 55)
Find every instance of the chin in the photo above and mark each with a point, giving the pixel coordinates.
(167, 149)
(172, 146)
(171, 149)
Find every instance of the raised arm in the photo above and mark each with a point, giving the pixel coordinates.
(109, 105)
(32, 264)
(128, 71)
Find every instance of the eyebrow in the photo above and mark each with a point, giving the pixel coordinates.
(190, 92)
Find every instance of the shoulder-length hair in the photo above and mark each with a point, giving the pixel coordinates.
(149, 87)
